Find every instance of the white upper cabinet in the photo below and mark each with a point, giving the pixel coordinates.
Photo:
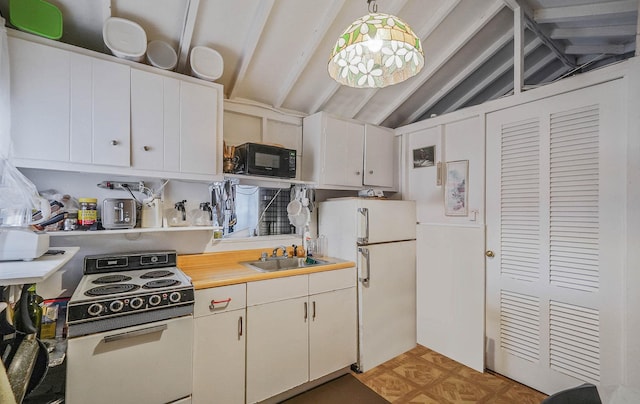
(173, 124)
(378, 156)
(73, 109)
(346, 154)
(99, 119)
(39, 101)
(198, 119)
(148, 132)
(342, 145)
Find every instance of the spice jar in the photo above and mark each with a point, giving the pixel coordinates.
(88, 213)
(71, 220)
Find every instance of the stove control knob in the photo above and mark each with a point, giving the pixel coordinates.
(136, 303)
(116, 305)
(154, 300)
(175, 297)
(95, 309)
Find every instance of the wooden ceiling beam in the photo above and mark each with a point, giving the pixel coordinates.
(319, 32)
(595, 49)
(434, 65)
(585, 11)
(532, 24)
(497, 72)
(460, 77)
(253, 37)
(592, 32)
(191, 14)
(531, 70)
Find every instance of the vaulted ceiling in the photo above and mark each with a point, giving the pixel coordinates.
(276, 51)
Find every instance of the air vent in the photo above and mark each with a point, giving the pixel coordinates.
(520, 325)
(574, 346)
(574, 208)
(520, 208)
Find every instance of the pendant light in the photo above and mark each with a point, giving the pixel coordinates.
(376, 51)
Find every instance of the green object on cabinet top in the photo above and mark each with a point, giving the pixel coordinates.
(37, 17)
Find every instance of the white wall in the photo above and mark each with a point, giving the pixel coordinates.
(460, 139)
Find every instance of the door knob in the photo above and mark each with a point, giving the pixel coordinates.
(489, 254)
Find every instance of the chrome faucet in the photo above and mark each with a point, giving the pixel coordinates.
(284, 251)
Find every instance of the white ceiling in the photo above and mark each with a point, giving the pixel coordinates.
(276, 51)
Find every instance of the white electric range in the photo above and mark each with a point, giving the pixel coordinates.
(130, 324)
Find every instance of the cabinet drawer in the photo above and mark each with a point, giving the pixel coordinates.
(219, 300)
(274, 290)
(332, 280)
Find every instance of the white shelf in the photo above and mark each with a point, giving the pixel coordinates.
(128, 231)
(37, 270)
(267, 181)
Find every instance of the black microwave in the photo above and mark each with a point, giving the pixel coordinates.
(263, 159)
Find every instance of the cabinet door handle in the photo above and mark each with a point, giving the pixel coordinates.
(314, 310)
(357, 172)
(370, 171)
(146, 148)
(114, 142)
(239, 327)
(306, 313)
(214, 302)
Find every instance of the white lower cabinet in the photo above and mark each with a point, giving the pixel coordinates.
(277, 348)
(299, 328)
(332, 332)
(219, 345)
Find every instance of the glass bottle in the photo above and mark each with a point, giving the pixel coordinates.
(34, 309)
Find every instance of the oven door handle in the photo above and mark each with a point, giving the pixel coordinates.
(136, 333)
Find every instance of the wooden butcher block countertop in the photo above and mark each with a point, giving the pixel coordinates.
(210, 270)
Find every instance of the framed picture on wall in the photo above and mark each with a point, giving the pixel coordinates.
(424, 156)
(456, 186)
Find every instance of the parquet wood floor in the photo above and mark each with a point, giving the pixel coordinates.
(422, 376)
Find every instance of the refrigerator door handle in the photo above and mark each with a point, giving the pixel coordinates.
(364, 212)
(365, 254)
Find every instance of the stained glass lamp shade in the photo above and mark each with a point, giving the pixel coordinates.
(376, 51)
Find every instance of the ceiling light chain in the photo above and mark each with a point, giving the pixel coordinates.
(373, 7)
(375, 51)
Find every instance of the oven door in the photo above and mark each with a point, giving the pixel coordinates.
(150, 363)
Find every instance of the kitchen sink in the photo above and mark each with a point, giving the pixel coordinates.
(283, 264)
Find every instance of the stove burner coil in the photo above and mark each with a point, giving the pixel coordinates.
(160, 283)
(111, 289)
(156, 274)
(112, 279)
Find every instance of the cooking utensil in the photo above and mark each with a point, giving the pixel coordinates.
(24, 361)
(217, 202)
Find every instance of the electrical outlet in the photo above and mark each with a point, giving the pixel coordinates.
(134, 186)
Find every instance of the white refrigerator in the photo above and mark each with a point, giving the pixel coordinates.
(379, 235)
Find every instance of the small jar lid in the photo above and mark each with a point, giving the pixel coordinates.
(88, 200)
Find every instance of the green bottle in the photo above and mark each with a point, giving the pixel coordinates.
(34, 310)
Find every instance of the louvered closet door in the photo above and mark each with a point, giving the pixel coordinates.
(555, 220)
